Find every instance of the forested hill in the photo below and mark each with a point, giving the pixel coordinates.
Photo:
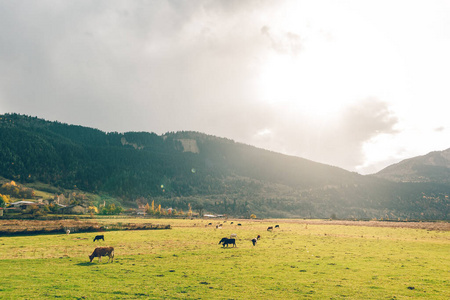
(138, 163)
(215, 174)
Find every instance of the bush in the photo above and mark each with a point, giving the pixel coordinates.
(111, 209)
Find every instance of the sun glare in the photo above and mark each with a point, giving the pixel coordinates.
(297, 85)
(335, 65)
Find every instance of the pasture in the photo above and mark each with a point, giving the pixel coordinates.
(306, 260)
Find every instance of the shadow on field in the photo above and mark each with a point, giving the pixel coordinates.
(85, 264)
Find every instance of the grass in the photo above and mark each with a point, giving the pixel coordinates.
(295, 261)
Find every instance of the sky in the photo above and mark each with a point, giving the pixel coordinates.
(354, 84)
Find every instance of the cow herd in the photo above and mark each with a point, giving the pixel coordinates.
(232, 240)
(109, 251)
(270, 228)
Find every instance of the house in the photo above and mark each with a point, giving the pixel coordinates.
(24, 204)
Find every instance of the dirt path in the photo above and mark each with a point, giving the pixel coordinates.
(11, 226)
(442, 226)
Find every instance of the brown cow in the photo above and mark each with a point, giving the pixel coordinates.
(102, 251)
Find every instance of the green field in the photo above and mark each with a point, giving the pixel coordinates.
(298, 260)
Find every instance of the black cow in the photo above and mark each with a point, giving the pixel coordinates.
(99, 237)
(226, 241)
(270, 228)
(277, 226)
(254, 241)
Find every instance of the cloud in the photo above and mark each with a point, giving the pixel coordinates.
(359, 124)
(368, 118)
(284, 42)
(337, 141)
(160, 65)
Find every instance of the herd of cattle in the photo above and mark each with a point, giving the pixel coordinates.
(109, 251)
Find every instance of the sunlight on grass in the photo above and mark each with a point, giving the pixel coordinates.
(294, 261)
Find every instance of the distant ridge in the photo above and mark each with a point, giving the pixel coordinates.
(432, 167)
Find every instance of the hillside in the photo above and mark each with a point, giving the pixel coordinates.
(212, 174)
(432, 167)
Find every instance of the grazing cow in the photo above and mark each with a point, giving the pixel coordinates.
(277, 226)
(233, 236)
(258, 237)
(232, 223)
(254, 241)
(209, 223)
(99, 237)
(102, 251)
(67, 231)
(226, 241)
(239, 224)
(270, 228)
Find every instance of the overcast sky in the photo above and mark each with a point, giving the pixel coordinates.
(355, 84)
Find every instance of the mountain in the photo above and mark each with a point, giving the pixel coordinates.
(432, 167)
(35, 149)
(208, 173)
